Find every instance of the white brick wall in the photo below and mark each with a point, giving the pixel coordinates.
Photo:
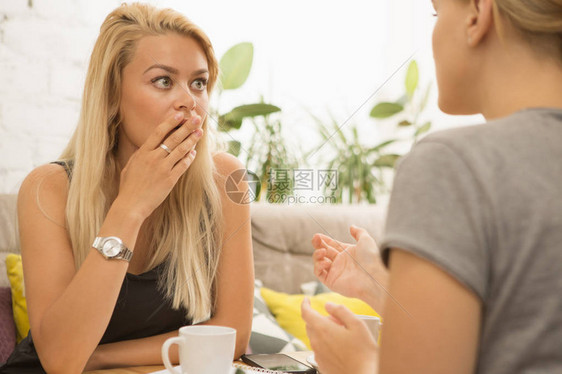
(44, 51)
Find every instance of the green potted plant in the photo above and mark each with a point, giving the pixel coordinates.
(408, 107)
(361, 168)
(272, 161)
(235, 67)
(266, 154)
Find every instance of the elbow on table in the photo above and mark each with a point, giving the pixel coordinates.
(238, 352)
(59, 365)
(242, 341)
(60, 361)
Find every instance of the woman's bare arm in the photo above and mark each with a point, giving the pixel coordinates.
(136, 352)
(432, 322)
(235, 283)
(68, 310)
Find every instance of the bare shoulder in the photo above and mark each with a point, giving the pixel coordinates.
(226, 163)
(48, 175)
(45, 189)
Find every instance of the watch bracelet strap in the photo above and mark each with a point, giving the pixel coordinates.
(97, 242)
(125, 254)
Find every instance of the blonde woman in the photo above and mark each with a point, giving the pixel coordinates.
(133, 236)
(474, 228)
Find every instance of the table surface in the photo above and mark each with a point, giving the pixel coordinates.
(300, 356)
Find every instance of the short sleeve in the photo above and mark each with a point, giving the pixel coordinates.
(438, 211)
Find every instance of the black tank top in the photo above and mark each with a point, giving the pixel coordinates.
(141, 310)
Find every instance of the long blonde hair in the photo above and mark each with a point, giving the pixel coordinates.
(186, 230)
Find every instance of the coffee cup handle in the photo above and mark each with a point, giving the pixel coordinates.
(165, 354)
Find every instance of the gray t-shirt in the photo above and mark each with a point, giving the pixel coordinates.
(484, 203)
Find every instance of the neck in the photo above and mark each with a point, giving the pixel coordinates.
(125, 150)
(517, 80)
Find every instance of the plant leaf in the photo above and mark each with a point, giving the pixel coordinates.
(253, 110)
(425, 97)
(385, 110)
(325, 132)
(235, 65)
(380, 146)
(423, 129)
(412, 77)
(234, 147)
(387, 161)
(355, 134)
(337, 129)
(404, 123)
(233, 119)
(226, 124)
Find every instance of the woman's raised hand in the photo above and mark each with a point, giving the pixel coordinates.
(349, 269)
(153, 170)
(341, 342)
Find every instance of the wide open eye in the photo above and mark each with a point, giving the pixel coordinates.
(199, 84)
(164, 82)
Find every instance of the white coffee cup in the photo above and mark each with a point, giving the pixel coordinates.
(373, 323)
(203, 349)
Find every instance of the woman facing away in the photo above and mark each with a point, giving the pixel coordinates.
(134, 236)
(474, 227)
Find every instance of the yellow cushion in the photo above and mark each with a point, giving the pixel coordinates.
(287, 309)
(19, 305)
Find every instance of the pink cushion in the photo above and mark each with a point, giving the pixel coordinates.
(7, 325)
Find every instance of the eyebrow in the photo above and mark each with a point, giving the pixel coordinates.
(173, 70)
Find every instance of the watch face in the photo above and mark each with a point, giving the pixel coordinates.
(111, 248)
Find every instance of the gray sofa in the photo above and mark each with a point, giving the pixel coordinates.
(281, 237)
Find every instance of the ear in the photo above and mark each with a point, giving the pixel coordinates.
(479, 21)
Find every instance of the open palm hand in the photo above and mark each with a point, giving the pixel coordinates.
(346, 268)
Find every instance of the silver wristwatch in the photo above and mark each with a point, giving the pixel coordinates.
(112, 247)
